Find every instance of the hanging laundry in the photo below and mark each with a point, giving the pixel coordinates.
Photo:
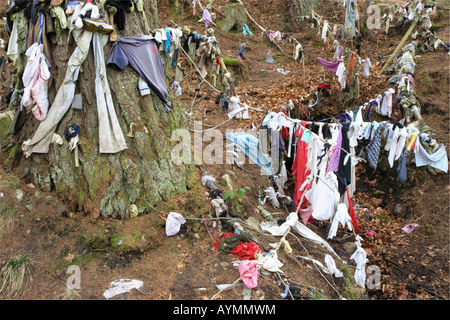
(248, 144)
(246, 30)
(373, 148)
(206, 17)
(298, 53)
(340, 217)
(269, 58)
(177, 88)
(367, 66)
(141, 52)
(299, 166)
(240, 54)
(351, 16)
(386, 104)
(35, 80)
(324, 31)
(332, 65)
(438, 159)
(42, 137)
(173, 223)
(323, 196)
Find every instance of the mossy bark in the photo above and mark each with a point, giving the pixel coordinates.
(107, 184)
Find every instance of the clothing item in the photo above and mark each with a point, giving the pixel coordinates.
(331, 65)
(323, 196)
(373, 148)
(35, 80)
(438, 159)
(351, 16)
(299, 167)
(111, 138)
(173, 223)
(248, 270)
(42, 137)
(141, 52)
(248, 144)
(367, 66)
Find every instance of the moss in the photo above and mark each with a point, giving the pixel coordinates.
(12, 156)
(232, 62)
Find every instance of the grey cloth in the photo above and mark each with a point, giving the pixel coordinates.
(111, 139)
(351, 16)
(142, 53)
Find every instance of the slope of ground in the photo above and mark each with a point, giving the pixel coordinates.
(187, 266)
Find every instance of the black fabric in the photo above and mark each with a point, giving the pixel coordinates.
(344, 171)
(122, 7)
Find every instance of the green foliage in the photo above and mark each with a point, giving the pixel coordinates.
(239, 193)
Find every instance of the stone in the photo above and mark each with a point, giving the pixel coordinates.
(350, 247)
(398, 210)
(29, 207)
(19, 194)
(235, 17)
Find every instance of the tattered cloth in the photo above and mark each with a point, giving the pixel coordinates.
(244, 245)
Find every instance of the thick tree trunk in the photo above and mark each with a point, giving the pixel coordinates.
(107, 184)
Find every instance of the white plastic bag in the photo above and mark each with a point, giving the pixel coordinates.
(173, 223)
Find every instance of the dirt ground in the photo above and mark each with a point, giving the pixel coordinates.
(186, 266)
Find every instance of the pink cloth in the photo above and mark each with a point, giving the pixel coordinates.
(35, 95)
(305, 214)
(331, 65)
(410, 227)
(248, 269)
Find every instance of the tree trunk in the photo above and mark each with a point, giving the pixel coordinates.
(107, 184)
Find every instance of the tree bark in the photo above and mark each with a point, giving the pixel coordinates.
(107, 184)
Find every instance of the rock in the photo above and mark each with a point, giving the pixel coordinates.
(350, 247)
(235, 17)
(228, 181)
(398, 210)
(29, 207)
(196, 236)
(19, 194)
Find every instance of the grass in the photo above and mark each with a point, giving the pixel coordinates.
(70, 294)
(351, 290)
(6, 219)
(15, 276)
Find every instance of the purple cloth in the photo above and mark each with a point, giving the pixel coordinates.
(331, 65)
(334, 159)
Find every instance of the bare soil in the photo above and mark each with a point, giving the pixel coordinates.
(186, 267)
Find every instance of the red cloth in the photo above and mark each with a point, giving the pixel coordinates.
(352, 214)
(244, 250)
(299, 168)
(324, 86)
(247, 251)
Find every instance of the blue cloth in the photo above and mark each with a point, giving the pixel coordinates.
(248, 144)
(246, 30)
(286, 291)
(167, 42)
(69, 135)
